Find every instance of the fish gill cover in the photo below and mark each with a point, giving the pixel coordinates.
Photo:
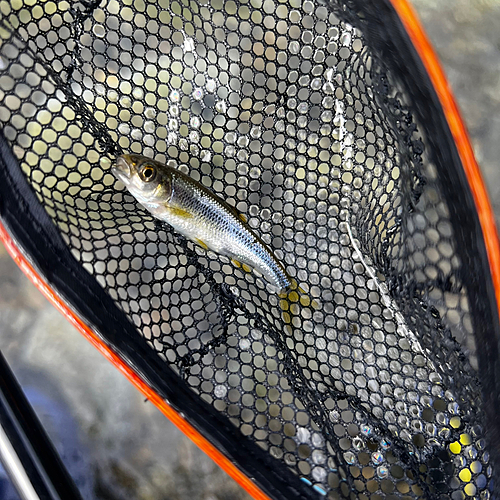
(285, 111)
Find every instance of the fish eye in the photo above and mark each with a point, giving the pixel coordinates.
(147, 173)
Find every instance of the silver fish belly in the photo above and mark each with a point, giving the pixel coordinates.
(197, 214)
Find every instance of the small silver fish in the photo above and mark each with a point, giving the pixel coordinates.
(201, 216)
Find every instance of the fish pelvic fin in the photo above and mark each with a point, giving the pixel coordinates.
(292, 299)
(202, 244)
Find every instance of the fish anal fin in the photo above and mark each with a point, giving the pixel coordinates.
(246, 268)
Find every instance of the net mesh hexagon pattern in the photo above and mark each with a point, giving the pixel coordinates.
(283, 110)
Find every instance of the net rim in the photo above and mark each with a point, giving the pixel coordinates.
(434, 69)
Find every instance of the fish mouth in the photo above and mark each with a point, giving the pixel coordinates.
(122, 167)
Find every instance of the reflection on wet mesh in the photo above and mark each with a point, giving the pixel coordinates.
(282, 110)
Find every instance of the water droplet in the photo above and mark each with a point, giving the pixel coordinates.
(303, 107)
(138, 93)
(206, 155)
(345, 39)
(382, 471)
(221, 106)
(173, 124)
(175, 96)
(124, 128)
(195, 122)
(188, 45)
(197, 93)
(149, 126)
(125, 101)
(220, 391)
(366, 430)
(294, 47)
(171, 137)
(183, 144)
(256, 132)
(303, 435)
(211, 85)
(136, 134)
(194, 136)
(174, 110)
(385, 444)
(229, 151)
(112, 95)
(349, 457)
(149, 140)
(377, 458)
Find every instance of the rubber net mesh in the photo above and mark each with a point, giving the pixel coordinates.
(282, 110)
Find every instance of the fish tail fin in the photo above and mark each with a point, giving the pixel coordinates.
(292, 298)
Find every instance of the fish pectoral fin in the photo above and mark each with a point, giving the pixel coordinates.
(202, 243)
(179, 212)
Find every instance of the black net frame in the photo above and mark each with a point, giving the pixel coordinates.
(423, 423)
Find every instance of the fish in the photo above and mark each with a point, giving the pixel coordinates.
(204, 218)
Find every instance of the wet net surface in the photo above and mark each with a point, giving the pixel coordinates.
(284, 111)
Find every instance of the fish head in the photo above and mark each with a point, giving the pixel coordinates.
(149, 181)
